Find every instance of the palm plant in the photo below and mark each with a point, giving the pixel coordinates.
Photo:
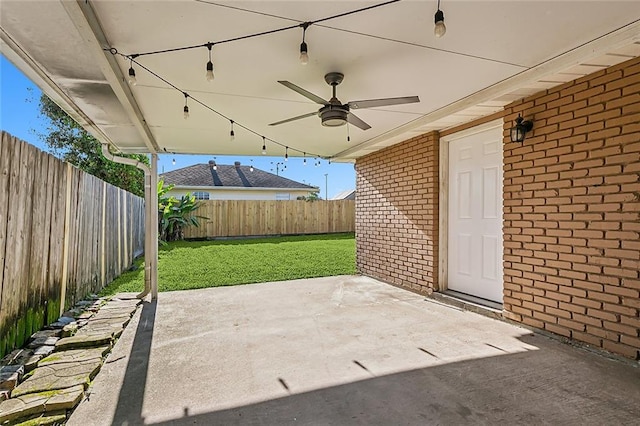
(175, 214)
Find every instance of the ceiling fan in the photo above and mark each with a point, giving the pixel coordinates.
(333, 112)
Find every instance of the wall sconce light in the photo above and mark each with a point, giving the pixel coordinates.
(519, 131)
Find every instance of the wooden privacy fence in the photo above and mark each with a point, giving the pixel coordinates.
(241, 218)
(63, 234)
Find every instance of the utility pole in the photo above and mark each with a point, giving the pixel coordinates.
(278, 164)
(326, 186)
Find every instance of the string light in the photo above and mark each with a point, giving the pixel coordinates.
(173, 161)
(304, 161)
(232, 134)
(251, 167)
(215, 166)
(233, 123)
(440, 29)
(132, 73)
(348, 136)
(186, 107)
(286, 153)
(304, 55)
(209, 74)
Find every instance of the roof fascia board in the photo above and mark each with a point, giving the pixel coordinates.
(88, 25)
(611, 41)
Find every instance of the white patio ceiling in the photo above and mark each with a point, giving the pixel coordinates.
(494, 52)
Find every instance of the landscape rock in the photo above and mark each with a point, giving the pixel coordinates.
(45, 333)
(66, 320)
(69, 329)
(72, 313)
(44, 350)
(82, 322)
(49, 419)
(42, 341)
(32, 363)
(85, 315)
(51, 402)
(58, 376)
(17, 357)
(10, 376)
(84, 340)
(75, 355)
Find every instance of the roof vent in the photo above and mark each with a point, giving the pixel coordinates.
(237, 164)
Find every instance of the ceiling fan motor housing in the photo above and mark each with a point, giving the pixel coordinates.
(334, 115)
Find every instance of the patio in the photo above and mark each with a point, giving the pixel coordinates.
(345, 350)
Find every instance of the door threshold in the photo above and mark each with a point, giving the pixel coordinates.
(469, 303)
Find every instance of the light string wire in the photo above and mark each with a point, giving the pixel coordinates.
(133, 59)
(263, 33)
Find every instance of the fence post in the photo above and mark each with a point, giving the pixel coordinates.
(103, 248)
(65, 240)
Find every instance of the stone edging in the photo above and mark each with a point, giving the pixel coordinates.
(43, 382)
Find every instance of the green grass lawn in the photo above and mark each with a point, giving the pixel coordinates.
(198, 264)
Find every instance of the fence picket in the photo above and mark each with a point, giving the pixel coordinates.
(35, 267)
(243, 218)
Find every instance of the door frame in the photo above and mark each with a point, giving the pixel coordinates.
(443, 198)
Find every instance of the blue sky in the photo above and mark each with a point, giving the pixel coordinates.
(19, 116)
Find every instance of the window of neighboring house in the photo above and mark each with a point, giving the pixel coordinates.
(283, 197)
(201, 195)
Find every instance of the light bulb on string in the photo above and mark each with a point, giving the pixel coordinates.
(215, 166)
(348, 136)
(173, 161)
(286, 153)
(304, 161)
(209, 74)
(251, 167)
(186, 107)
(264, 146)
(440, 28)
(304, 50)
(232, 134)
(132, 73)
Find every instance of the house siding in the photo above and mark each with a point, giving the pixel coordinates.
(571, 211)
(216, 194)
(397, 214)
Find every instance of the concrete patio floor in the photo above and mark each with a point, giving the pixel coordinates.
(345, 350)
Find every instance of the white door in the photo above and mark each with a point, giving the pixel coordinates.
(475, 215)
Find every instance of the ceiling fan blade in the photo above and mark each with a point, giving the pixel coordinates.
(353, 119)
(294, 118)
(372, 103)
(315, 98)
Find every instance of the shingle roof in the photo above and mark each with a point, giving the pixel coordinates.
(349, 194)
(229, 176)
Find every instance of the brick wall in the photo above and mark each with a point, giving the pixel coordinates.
(572, 211)
(397, 214)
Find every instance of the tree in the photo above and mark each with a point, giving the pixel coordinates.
(70, 142)
(313, 196)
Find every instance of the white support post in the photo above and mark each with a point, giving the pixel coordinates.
(153, 231)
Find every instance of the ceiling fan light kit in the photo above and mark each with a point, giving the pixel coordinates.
(333, 112)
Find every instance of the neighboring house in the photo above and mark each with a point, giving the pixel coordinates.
(345, 195)
(233, 182)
